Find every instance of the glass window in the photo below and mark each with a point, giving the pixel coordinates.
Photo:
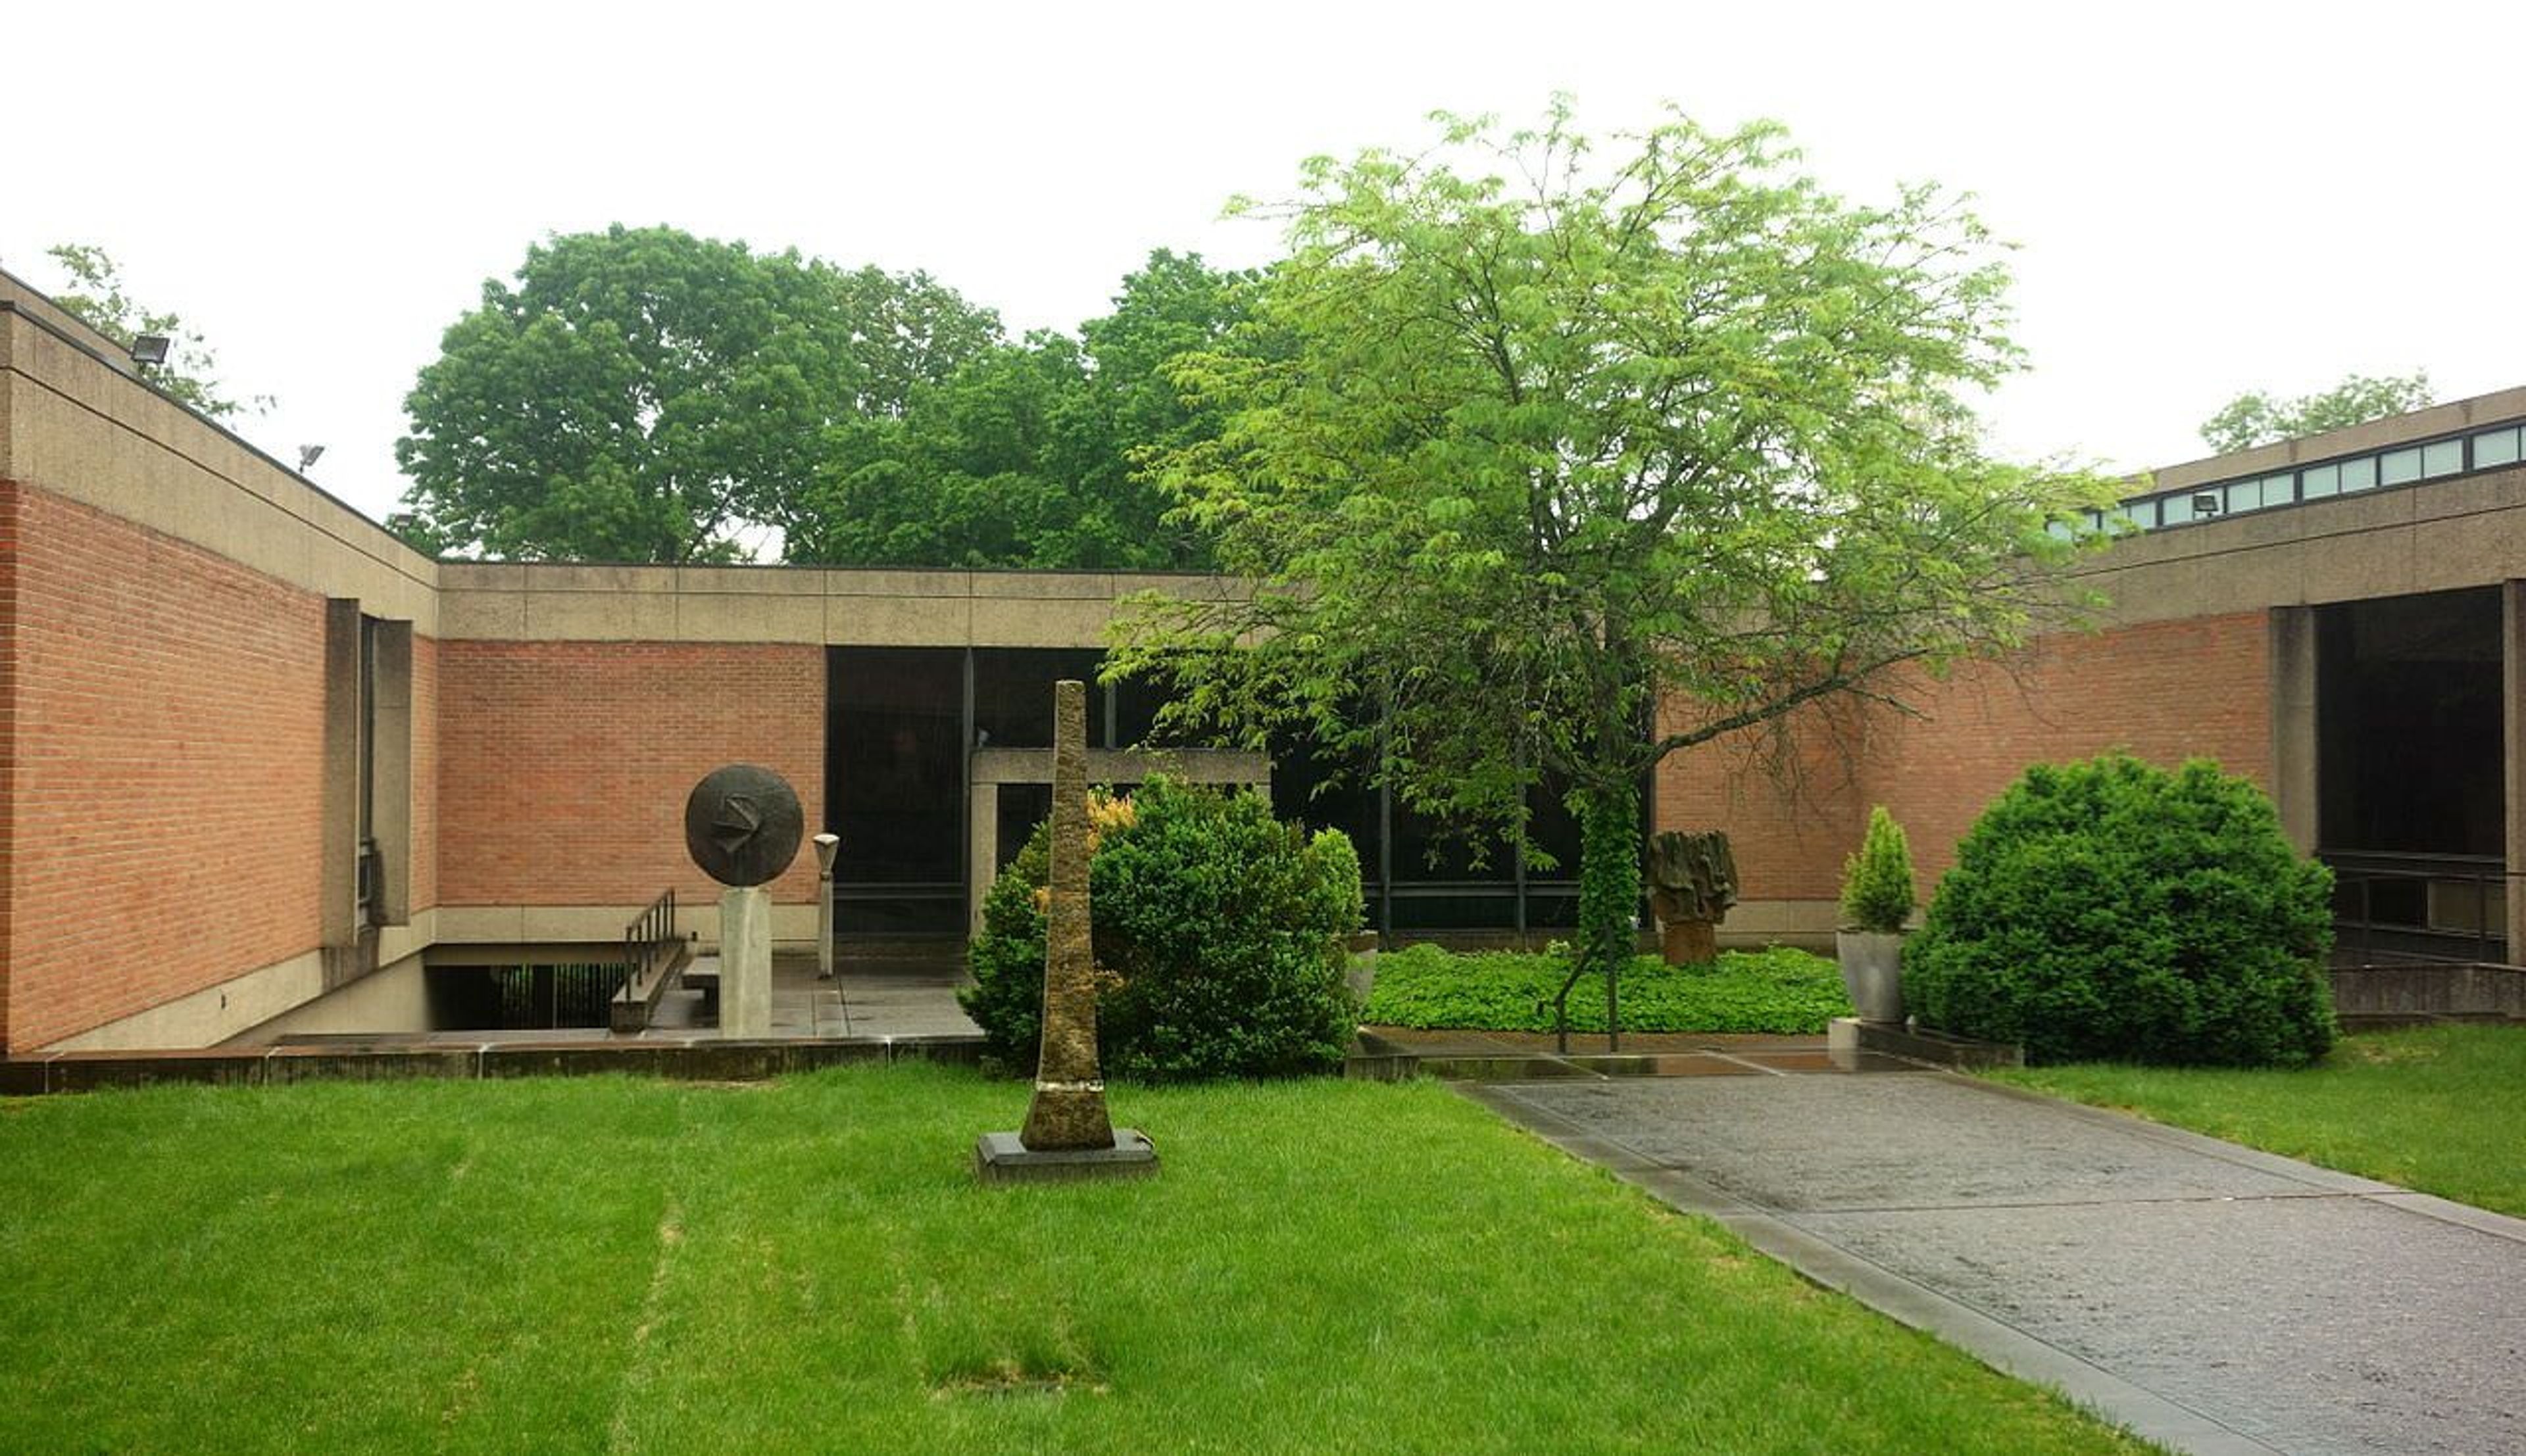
(2256, 495)
(2498, 447)
(2396, 466)
(2322, 481)
(1013, 694)
(2059, 531)
(2360, 474)
(895, 783)
(2175, 510)
(2443, 458)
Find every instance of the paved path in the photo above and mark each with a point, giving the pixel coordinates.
(2212, 1298)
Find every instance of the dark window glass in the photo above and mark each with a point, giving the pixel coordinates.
(895, 784)
(1013, 694)
(2408, 725)
(1304, 787)
(1022, 806)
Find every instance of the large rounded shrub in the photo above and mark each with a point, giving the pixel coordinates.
(2112, 910)
(1219, 935)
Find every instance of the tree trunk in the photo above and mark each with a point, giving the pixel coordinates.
(1609, 887)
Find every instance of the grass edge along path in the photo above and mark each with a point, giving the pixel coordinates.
(2430, 1108)
(609, 1265)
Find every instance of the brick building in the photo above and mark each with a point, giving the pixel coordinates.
(261, 765)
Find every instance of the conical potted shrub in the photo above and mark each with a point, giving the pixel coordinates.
(1877, 898)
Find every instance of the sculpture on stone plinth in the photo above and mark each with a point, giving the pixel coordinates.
(741, 826)
(1692, 880)
(1068, 1133)
(1069, 1106)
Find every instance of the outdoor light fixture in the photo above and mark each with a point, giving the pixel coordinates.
(149, 348)
(2208, 503)
(308, 455)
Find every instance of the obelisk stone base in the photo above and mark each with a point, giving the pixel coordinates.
(1001, 1158)
(745, 962)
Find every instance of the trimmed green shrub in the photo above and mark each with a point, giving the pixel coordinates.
(2110, 910)
(1219, 935)
(1876, 892)
(1779, 990)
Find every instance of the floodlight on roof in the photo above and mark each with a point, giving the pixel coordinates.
(308, 455)
(2208, 503)
(149, 348)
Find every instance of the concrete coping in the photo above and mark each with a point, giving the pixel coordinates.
(693, 1058)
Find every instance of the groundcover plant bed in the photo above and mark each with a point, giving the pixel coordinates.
(1778, 989)
(809, 1266)
(2433, 1108)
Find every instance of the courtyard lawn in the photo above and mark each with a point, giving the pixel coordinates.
(608, 1265)
(1777, 989)
(2434, 1108)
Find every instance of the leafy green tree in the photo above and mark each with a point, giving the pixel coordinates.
(95, 297)
(1560, 468)
(644, 395)
(2258, 418)
(1029, 455)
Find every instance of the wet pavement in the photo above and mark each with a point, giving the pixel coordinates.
(2212, 1298)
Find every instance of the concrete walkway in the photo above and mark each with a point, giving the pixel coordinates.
(2213, 1298)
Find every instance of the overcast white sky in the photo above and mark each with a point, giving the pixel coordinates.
(2208, 197)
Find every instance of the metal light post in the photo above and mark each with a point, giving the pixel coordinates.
(827, 846)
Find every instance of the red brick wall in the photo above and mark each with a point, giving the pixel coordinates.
(1789, 819)
(2165, 691)
(164, 823)
(425, 772)
(564, 766)
(8, 735)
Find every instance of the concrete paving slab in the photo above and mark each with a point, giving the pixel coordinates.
(2216, 1298)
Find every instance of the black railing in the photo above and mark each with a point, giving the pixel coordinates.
(650, 942)
(2420, 907)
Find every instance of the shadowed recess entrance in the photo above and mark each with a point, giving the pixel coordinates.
(2412, 793)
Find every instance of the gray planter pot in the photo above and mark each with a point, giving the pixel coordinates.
(1872, 970)
(1360, 975)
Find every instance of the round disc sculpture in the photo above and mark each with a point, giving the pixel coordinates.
(743, 826)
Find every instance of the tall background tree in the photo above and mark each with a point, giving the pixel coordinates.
(1560, 464)
(645, 395)
(95, 296)
(2257, 419)
(1033, 453)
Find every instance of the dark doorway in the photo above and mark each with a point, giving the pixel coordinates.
(894, 788)
(2412, 796)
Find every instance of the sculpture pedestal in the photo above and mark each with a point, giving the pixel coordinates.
(745, 962)
(1001, 1158)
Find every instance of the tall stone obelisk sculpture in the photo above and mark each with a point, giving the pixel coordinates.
(1069, 1107)
(1068, 1132)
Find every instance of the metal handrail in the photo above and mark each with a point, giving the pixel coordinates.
(648, 941)
(2480, 871)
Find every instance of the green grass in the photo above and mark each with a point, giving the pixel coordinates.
(1778, 989)
(2434, 1108)
(605, 1265)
